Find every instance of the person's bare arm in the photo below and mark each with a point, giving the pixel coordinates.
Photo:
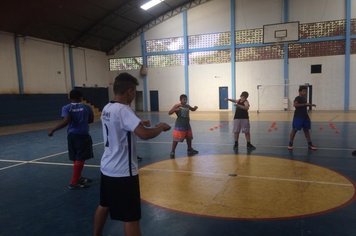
(148, 133)
(175, 108)
(296, 104)
(63, 123)
(193, 108)
(231, 100)
(246, 106)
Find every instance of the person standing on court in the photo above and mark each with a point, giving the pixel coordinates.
(77, 116)
(119, 185)
(182, 129)
(241, 120)
(301, 118)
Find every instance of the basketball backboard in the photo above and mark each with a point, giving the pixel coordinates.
(285, 32)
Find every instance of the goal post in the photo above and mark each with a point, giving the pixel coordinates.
(271, 97)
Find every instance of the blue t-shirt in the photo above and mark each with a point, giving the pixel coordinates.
(80, 115)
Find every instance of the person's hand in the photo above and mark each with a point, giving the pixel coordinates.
(313, 105)
(195, 107)
(50, 133)
(164, 126)
(177, 107)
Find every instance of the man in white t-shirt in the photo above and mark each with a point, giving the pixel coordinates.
(119, 186)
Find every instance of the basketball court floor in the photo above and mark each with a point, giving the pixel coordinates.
(269, 191)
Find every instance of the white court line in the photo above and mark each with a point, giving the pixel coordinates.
(153, 142)
(61, 164)
(38, 159)
(249, 176)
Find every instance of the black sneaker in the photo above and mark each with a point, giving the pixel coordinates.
(192, 152)
(354, 153)
(250, 147)
(83, 180)
(77, 186)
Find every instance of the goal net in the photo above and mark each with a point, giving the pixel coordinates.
(276, 97)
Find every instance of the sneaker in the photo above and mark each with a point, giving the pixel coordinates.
(312, 147)
(139, 158)
(250, 147)
(83, 180)
(172, 155)
(354, 153)
(77, 186)
(236, 147)
(290, 146)
(192, 152)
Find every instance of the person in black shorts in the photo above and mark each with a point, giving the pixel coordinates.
(119, 186)
(77, 116)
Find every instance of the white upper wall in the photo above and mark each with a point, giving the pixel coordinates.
(210, 17)
(165, 29)
(91, 68)
(204, 83)
(328, 86)
(8, 70)
(268, 74)
(133, 48)
(43, 65)
(252, 14)
(169, 82)
(307, 11)
(46, 68)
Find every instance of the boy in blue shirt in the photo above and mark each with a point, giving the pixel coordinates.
(77, 116)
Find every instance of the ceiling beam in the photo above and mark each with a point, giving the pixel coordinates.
(155, 22)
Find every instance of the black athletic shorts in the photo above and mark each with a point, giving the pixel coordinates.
(122, 196)
(80, 147)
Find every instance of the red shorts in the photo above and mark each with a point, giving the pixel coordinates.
(180, 135)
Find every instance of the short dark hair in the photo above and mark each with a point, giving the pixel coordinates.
(244, 94)
(123, 82)
(302, 87)
(75, 94)
(182, 96)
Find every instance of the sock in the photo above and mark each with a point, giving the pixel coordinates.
(77, 171)
(290, 143)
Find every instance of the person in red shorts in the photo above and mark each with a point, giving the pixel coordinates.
(182, 129)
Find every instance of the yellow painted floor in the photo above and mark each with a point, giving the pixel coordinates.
(244, 186)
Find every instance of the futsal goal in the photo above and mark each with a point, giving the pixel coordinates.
(276, 97)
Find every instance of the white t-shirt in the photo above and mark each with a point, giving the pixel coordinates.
(119, 158)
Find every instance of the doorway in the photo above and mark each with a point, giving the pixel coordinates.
(154, 100)
(139, 101)
(223, 93)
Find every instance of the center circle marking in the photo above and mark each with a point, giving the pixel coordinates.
(244, 186)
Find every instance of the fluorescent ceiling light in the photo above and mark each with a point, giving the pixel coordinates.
(150, 4)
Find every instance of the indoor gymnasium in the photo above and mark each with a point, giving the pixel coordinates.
(178, 117)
